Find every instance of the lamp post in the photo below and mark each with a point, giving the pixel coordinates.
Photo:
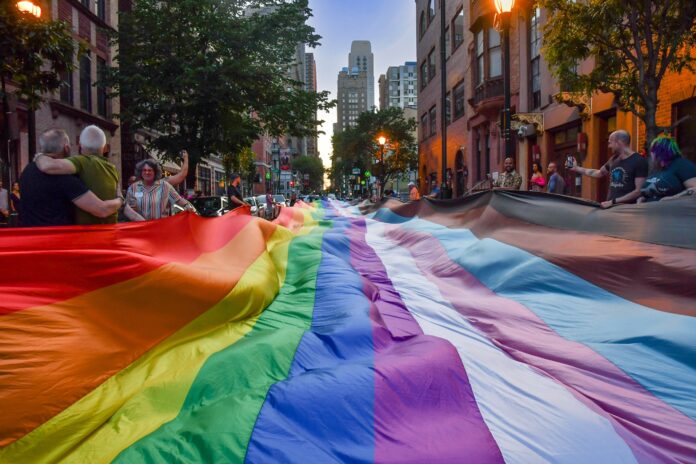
(443, 99)
(504, 9)
(382, 140)
(31, 8)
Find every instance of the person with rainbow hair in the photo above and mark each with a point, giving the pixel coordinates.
(672, 175)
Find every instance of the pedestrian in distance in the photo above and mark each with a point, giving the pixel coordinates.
(100, 176)
(509, 178)
(52, 200)
(4, 204)
(537, 183)
(556, 181)
(413, 193)
(626, 169)
(234, 194)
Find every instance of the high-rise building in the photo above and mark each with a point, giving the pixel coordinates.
(311, 86)
(361, 57)
(398, 88)
(352, 97)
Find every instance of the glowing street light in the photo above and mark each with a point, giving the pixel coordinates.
(382, 140)
(29, 7)
(504, 6)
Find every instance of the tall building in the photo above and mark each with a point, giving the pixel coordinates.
(398, 88)
(352, 96)
(361, 57)
(382, 89)
(311, 86)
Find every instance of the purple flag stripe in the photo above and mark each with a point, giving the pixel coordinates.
(424, 405)
(653, 429)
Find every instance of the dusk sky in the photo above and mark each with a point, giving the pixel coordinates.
(390, 26)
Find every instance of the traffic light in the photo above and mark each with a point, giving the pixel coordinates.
(292, 183)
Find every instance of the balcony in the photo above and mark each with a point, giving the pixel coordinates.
(489, 89)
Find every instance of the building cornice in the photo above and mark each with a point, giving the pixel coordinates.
(58, 107)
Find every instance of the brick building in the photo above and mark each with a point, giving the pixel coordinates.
(548, 124)
(80, 101)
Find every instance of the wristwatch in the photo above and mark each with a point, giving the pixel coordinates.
(613, 201)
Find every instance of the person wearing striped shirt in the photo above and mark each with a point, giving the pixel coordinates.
(151, 197)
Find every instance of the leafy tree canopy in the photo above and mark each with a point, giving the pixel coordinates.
(211, 76)
(633, 44)
(313, 166)
(33, 52)
(358, 146)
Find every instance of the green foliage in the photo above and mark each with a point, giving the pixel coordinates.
(633, 43)
(33, 52)
(210, 77)
(357, 147)
(313, 166)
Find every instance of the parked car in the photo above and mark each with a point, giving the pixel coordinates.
(255, 210)
(280, 200)
(211, 206)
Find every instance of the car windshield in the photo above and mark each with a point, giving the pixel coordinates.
(207, 203)
(279, 198)
(261, 199)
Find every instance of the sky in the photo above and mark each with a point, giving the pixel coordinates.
(390, 26)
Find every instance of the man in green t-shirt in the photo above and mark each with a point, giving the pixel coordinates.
(100, 176)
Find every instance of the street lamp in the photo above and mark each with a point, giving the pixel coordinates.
(504, 9)
(382, 140)
(29, 7)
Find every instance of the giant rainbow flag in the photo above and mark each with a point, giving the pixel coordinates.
(506, 327)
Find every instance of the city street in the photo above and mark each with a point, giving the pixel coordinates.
(330, 231)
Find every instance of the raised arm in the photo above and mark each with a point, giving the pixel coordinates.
(596, 173)
(179, 177)
(50, 165)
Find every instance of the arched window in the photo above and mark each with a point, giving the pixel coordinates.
(422, 24)
(431, 10)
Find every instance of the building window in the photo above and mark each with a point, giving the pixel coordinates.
(101, 9)
(425, 130)
(66, 87)
(431, 65)
(433, 120)
(101, 88)
(424, 74)
(488, 59)
(204, 180)
(448, 108)
(458, 30)
(479, 58)
(423, 25)
(448, 50)
(431, 11)
(86, 82)
(459, 100)
(535, 58)
(85, 3)
(495, 61)
(686, 130)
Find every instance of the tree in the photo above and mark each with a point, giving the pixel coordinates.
(633, 42)
(312, 166)
(210, 76)
(358, 146)
(33, 53)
